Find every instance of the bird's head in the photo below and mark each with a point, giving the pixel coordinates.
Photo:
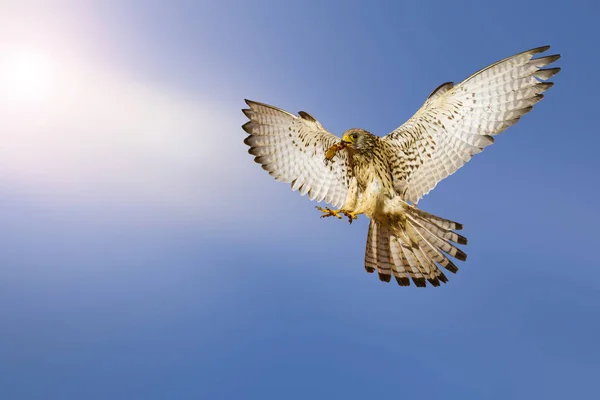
(359, 139)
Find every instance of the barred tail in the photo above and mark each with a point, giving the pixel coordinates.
(414, 249)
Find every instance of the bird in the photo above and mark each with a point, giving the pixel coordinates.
(384, 178)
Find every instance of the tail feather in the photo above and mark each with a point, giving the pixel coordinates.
(371, 252)
(435, 242)
(384, 258)
(434, 219)
(414, 248)
(440, 232)
(419, 274)
(416, 273)
(432, 252)
(428, 268)
(400, 265)
(427, 255)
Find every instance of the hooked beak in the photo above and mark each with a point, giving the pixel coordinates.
(346, 139)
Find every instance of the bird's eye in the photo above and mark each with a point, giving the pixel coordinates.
(355, 136)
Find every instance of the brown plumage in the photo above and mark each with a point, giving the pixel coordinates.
(384, 177)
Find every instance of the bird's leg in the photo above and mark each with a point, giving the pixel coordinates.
(350, 214)
(328, 212)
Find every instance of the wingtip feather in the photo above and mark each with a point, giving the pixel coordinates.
(546, 73)
(247, 127)
(538, 50)
(247, 112)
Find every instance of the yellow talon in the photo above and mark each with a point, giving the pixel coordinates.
(328, 212)
(351, 216)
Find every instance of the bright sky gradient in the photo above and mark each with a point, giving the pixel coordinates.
(146, 256)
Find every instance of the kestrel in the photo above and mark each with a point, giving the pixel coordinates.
(384, 177)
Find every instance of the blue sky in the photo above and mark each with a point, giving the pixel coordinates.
(147, 256)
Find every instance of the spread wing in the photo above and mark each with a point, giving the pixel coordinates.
(292, 149)
(459, 121)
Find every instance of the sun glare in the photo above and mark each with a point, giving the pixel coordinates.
(27, 75)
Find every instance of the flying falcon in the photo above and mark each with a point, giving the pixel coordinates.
(384, 177)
